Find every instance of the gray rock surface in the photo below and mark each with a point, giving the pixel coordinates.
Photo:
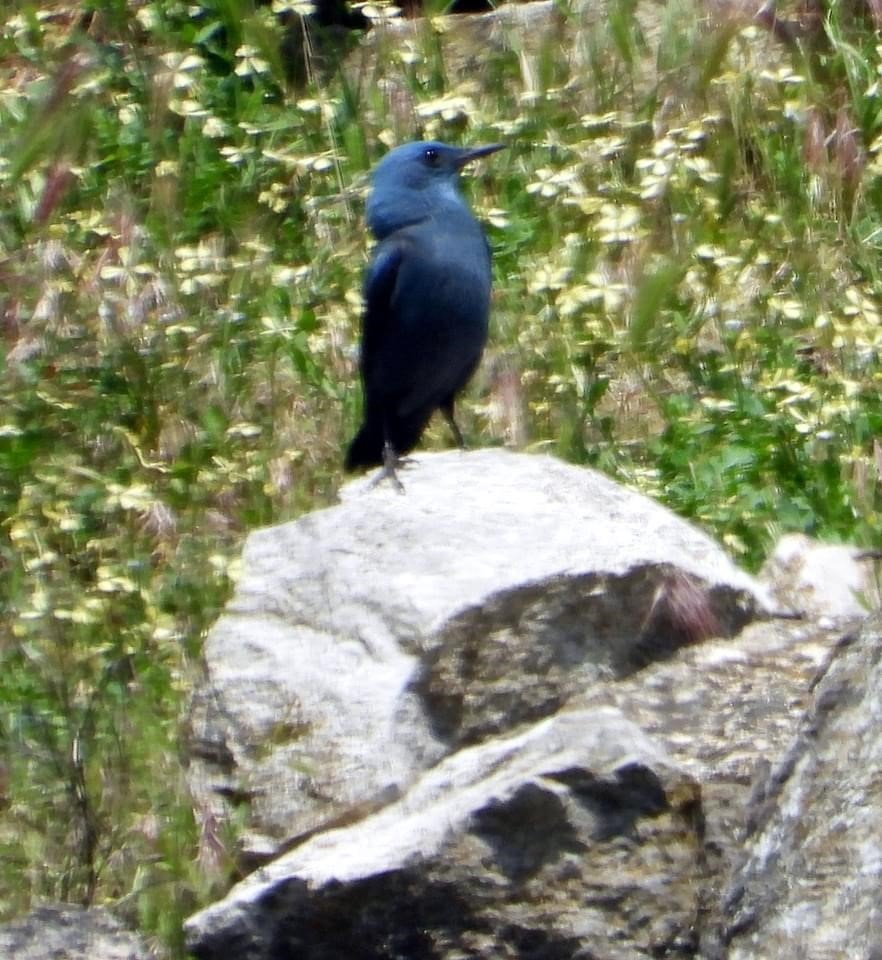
(809, 883)
(367, 641)
(573, 838)
(831, 581)
(67, 932)
(723, 711)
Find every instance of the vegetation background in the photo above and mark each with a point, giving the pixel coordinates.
(686, 229)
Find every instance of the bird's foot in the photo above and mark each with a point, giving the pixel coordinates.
(387, 472)
(391, 464)
(454, 427)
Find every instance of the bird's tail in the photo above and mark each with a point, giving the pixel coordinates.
(402, 432)
(366, 449)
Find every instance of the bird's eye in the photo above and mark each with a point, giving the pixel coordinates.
(431, 156)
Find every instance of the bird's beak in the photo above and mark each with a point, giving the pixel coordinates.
(476, 153)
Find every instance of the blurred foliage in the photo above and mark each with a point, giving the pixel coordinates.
(686, 229)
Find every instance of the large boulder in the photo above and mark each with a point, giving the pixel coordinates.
(572, 838)
(523, 712)
(367, 641)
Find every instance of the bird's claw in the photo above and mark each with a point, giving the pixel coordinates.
(391, 464)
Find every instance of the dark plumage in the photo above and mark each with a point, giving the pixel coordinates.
(427, 299)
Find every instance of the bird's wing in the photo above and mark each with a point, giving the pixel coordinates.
(379, 286)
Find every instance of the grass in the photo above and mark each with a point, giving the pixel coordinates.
(686, 230)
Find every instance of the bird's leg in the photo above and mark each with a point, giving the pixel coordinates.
(447, 410)
(391, 460)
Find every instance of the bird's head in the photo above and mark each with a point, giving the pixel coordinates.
(416, 180)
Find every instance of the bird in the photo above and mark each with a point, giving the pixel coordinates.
(426, 300)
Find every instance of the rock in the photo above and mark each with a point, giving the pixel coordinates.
(368, 641)
(822, 580)
(809, 883)
(517, 712)
(722, 711)
(576, 837)
(67, 932)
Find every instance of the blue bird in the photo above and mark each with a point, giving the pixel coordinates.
(427, 300)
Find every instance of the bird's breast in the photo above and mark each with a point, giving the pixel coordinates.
(447, 290)
(461, 260)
